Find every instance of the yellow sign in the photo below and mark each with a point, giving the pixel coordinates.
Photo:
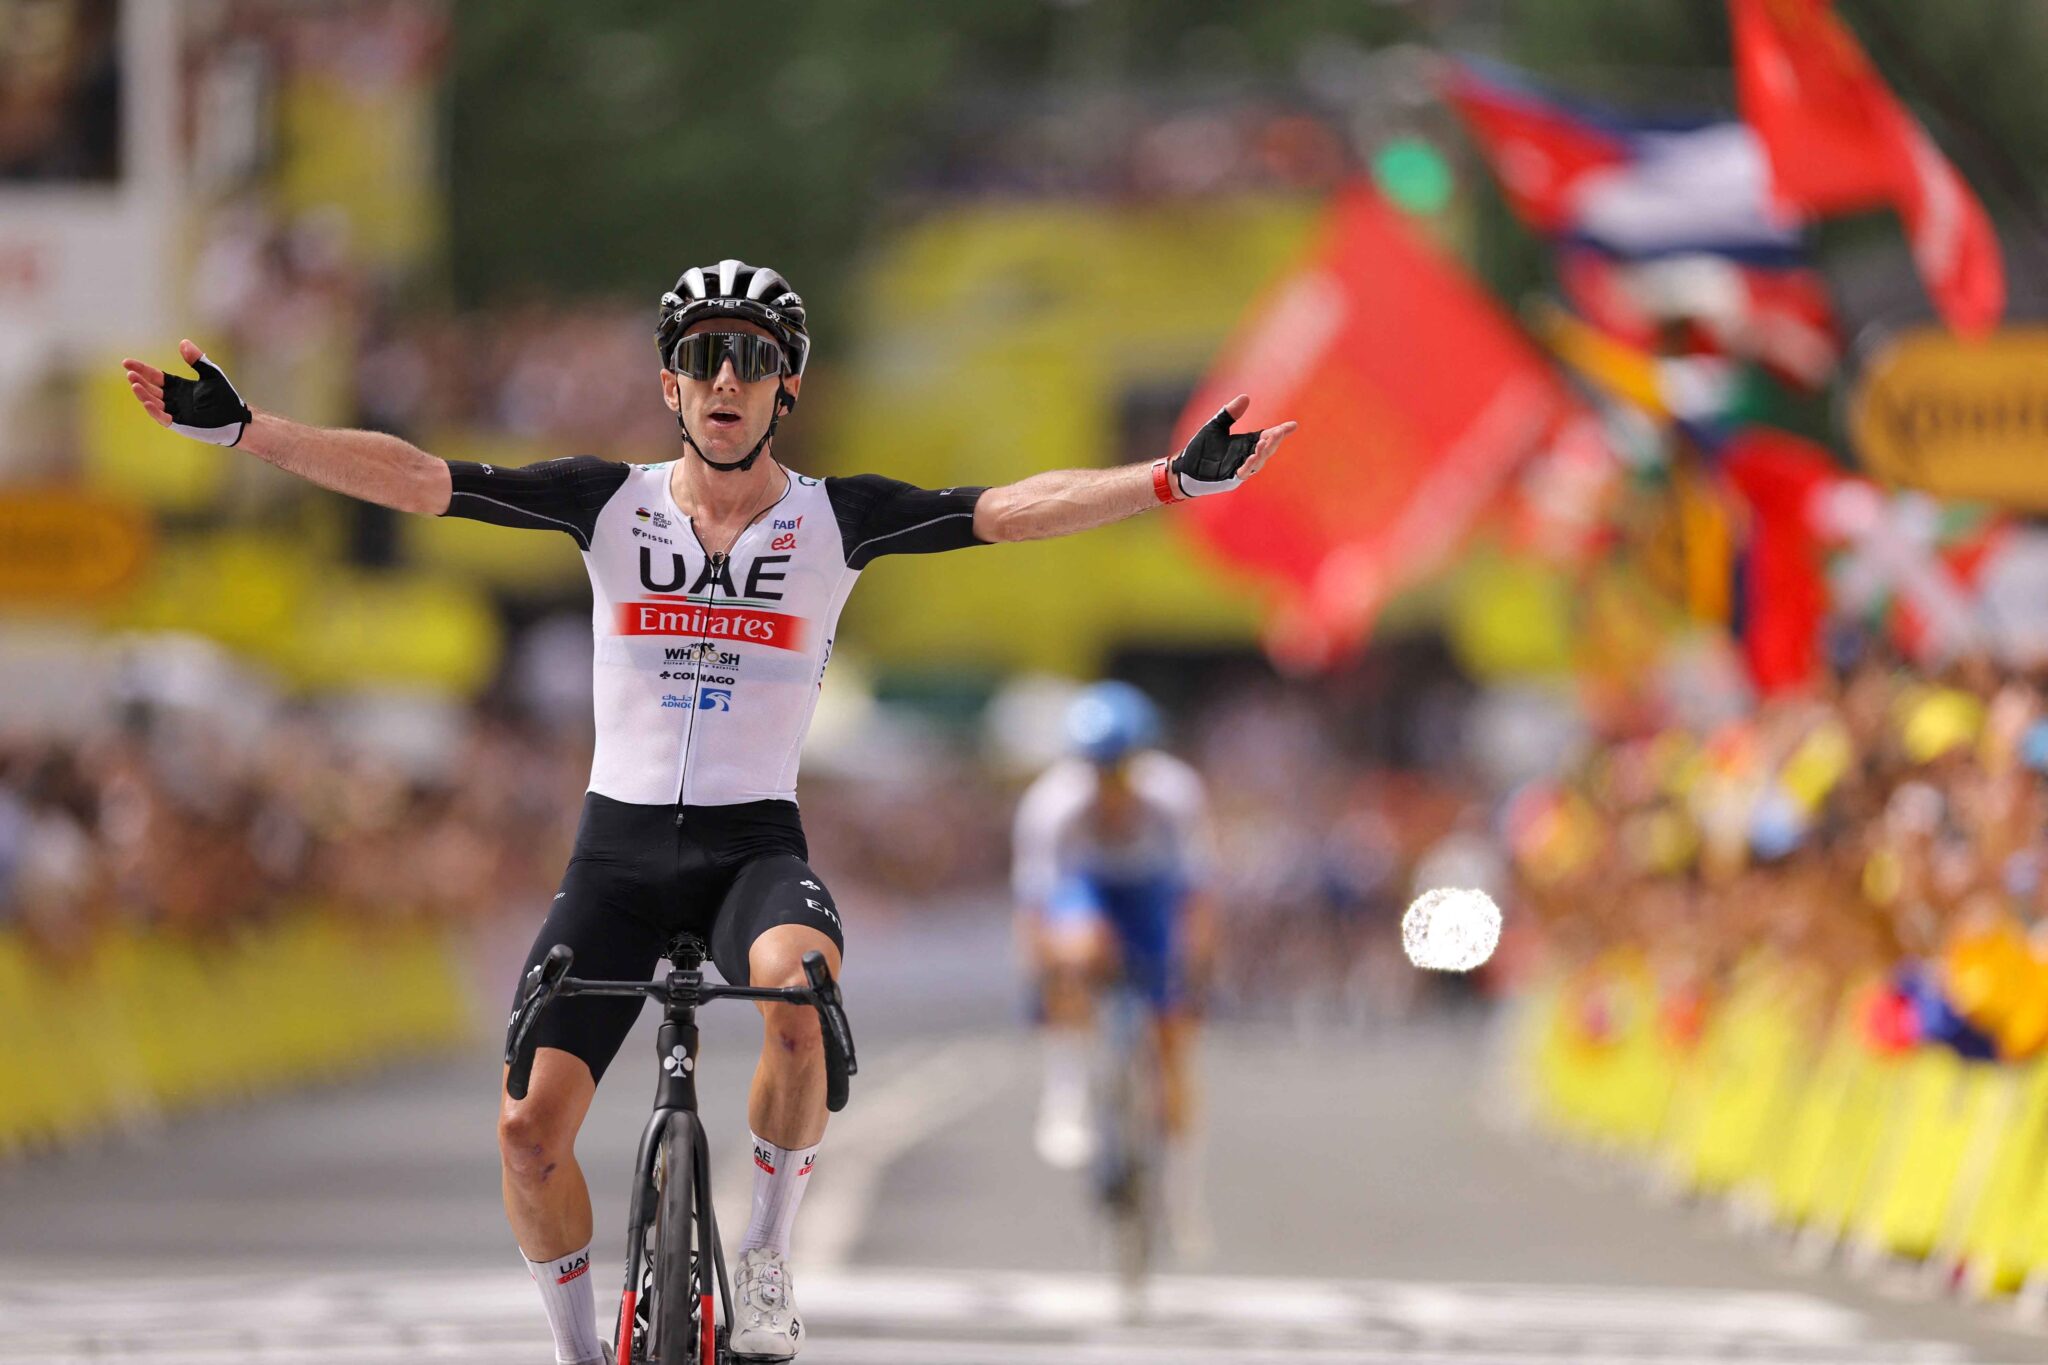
(1003, 340)
(1962, 419)
(60, 548)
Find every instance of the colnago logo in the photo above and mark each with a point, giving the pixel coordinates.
(777, 630)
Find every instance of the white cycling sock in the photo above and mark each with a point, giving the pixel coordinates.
(572, 1306)
(780, 1176)
(1066, 1069)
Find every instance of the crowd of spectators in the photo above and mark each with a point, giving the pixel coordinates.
(182, 823)
(199, 820)
(1883, 833)
(1320, 850)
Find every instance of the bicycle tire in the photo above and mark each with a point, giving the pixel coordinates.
(1128, 1127)
(1132, 1209)
(680, 1318)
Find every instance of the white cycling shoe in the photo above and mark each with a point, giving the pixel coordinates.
(768, 1326)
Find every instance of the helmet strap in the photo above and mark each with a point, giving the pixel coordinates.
(783, 403)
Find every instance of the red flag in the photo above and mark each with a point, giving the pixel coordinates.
(1840, 141)
(1785, 596)
(1416, 396)
(1541, 151)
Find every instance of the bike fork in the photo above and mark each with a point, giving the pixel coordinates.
(639, 1213)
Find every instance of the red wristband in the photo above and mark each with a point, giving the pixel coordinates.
(1163, 481)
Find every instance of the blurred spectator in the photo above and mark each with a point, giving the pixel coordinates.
(60, 91)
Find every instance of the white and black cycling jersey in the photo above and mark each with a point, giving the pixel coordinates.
(707, 667)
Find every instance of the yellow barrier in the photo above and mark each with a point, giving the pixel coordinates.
(149, 1022)
(1923, 1155)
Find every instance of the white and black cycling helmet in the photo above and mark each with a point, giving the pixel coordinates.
(734, 289)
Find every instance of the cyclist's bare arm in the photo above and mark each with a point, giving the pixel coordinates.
(363, 464)
(1064, 501)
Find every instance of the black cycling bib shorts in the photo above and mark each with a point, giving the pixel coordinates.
(639, 876)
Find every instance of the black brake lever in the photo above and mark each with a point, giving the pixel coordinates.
(837, 1034)
(541, 981)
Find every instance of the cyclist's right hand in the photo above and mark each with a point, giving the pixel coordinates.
(206, 409)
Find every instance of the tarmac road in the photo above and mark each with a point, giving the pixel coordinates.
(1363, 1211)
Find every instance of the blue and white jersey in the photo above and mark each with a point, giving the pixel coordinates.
(1060, 834)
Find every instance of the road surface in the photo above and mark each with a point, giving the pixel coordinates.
(1364, 1210)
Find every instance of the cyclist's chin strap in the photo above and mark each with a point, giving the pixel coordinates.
(783, 403)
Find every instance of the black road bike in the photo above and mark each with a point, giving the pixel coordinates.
(672, 1247)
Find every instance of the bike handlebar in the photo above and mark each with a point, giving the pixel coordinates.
(840, 1063)
(549, 979)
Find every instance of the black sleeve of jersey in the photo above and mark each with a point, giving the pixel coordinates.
(881, 516)
(554, 495)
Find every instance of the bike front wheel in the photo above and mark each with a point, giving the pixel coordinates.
(680, 1319)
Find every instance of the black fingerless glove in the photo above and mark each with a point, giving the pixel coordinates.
(1212, 462)
(207, 408)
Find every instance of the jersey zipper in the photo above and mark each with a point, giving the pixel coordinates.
(717, 565)
(717, 562)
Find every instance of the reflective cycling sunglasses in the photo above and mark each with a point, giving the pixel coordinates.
(698, 355)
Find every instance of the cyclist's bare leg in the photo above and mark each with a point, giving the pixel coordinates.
(546, 1200)
(786, 1113)
(1179, 1100)
(1176, 1032)
(787, 1103)
(1073, 960)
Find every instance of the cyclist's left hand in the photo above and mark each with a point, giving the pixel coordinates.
(1217, 460)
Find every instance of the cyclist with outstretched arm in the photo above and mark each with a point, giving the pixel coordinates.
(717, 580)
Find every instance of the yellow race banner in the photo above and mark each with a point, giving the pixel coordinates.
(1956, 418)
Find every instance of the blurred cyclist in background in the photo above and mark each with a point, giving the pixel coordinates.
(1112, 864)
(718, 577)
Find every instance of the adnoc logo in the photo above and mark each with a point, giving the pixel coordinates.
(714, 699)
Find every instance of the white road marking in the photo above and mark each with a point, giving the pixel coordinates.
(942, 1317)
(911, 1104)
